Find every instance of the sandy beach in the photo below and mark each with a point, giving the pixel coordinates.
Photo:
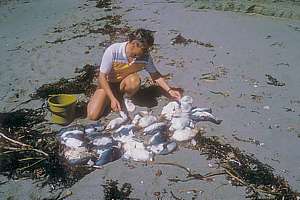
(224, 66)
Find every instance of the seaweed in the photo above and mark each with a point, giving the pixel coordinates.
(82, 83)
(112, 191)
(179, 39)
(103, 3)
(274, 81)
(22, 118)
(28, 150)
(246, 170)
(113, 19)
(111, 30)
(38, 159)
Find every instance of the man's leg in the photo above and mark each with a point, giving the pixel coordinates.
(97, 104)
(131, 84)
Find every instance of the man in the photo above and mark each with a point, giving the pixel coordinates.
(118, 73)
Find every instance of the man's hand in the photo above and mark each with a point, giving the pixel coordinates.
(115, 105)
(175, 94)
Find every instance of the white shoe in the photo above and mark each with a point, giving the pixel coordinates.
(129, 105)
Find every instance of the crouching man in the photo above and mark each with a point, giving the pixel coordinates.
(118, 73)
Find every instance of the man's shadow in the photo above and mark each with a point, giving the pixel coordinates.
(148, 96)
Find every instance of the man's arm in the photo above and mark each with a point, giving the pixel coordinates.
(157, 78)
(114, 103)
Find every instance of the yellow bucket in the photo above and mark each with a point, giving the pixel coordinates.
(62, 107)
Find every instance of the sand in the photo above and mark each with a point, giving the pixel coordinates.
(246, 48)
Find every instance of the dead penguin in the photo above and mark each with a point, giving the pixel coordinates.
(90, 128)
(102, 141)
(180, 122)
(186, 99)
(170, 109)
(205, 116)
(163, 148)
(77, 155)
(125, 129)
(186, 104)
(146, 121)
(108, 155)
(157, 138)
(117, 122)
(136, 119)
(201, 110)
(136, 151)
(184, 134)
(72, 142)
(151, 129)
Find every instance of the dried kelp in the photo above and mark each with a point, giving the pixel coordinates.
(111, 30)
(112, 191)
(218, 72)
(179, 39)
(103, 3)
(22, 118)
(112, 19)
(245, 170)
(82, 83)
(274, 81)
(28, 149)
(37, 159)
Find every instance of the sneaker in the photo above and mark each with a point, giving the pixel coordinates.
(129, 105)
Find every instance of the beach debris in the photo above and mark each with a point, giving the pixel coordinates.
(249, 140)
(257, 98)
(103, 3)
(158, 173)
(179, 39)
(218, 72)
(274, 81)
(112, 19)
(22, 118)
(112, 190)
(295, 28)
(224, 94)
(283, 64)
(245, 170)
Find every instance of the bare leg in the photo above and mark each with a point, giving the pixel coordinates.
(97, 104)
(131, 84)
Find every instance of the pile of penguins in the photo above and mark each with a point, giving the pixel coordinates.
(138, 139)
